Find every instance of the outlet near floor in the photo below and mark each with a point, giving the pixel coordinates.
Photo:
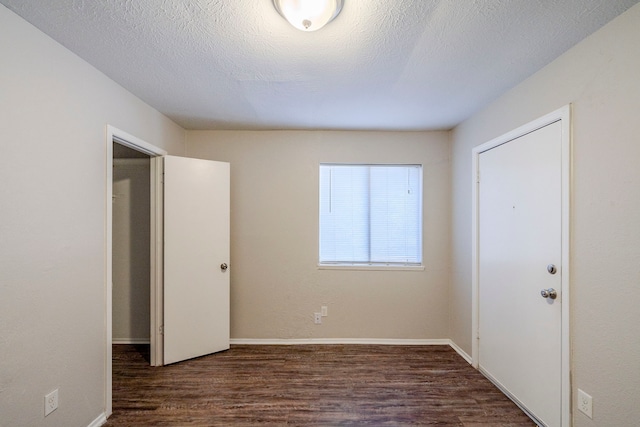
(51, 402)
(585, 403)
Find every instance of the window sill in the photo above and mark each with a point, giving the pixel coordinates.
(371, 267)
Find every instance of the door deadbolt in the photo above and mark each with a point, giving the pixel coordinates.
(552, 269)
(224, 266)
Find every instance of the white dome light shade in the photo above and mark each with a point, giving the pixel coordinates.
(308, 15)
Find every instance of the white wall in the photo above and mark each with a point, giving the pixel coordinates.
(600, 76)
(131, 254)
(54, 109)
(275, 283)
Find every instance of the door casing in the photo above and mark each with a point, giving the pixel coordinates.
(123, 138)
(564, 116)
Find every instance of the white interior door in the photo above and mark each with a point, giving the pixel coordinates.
(196, 245)
(520, 234)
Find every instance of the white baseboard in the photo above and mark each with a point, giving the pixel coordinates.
(102, 419)
(461, 352)
(363, 341)
(130, 341)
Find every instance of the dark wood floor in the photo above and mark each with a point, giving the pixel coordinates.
(322, 385)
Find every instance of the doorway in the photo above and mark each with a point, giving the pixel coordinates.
(131, 248)
(521, 266)
(189, 232)
(141, 148)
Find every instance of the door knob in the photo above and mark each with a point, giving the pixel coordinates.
(549, 293)
(224, 266)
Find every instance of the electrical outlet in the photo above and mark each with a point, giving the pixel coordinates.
(317, 318)
(585, 403)
(324, 310)
(51, 402)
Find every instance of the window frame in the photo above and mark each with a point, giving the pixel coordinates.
(373, 266)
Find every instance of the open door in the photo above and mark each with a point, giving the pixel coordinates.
(189, 314)
(196, 256)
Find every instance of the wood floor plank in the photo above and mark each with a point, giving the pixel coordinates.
(310, 385)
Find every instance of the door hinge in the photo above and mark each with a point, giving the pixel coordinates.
(161, 329)
(478, 177)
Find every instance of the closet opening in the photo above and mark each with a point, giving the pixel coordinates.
(131, 252)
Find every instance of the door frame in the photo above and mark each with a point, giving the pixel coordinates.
(564, 116)
(116, 135)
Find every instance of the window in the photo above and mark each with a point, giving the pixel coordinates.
(370, 214)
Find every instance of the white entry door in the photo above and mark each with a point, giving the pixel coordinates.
(519, 257)
(196, 256)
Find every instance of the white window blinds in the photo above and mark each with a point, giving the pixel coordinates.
(370, 214)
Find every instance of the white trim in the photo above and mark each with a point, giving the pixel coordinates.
(130, 341)
(100, 420)
(121, 137)
(564, 116)
(108, 370)
(353, 341)
(156, 295)
(461, 352)
(128, 140)
(567, 179)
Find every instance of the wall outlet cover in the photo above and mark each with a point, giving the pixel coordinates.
(51, 402)
(585, 403)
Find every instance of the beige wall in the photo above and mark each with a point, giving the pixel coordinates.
(54, 109)
(276, 285)
(131, 255)
(600, 76)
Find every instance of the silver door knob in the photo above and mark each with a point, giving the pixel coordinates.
(549, 293)
(224, 266)
(552, 269)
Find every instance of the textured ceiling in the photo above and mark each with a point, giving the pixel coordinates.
(380, 65)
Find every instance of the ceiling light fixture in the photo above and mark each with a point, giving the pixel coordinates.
(308, 15)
